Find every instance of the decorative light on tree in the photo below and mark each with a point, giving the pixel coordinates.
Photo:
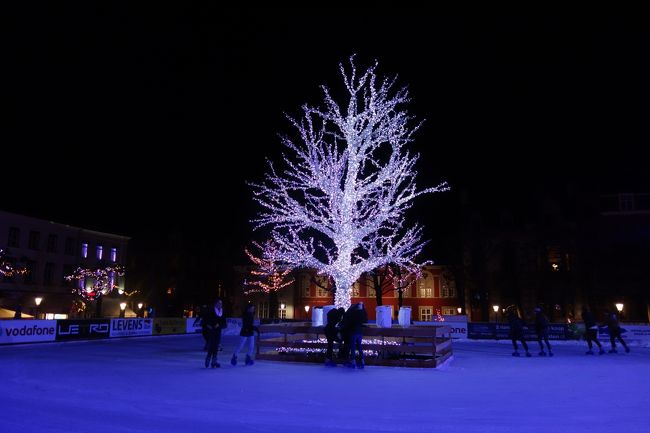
(269, 275)
(339, 204)
(7, 268)
(102, 281)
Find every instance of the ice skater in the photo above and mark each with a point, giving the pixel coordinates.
(517, 331)
(247, 334)
(591, 330)
(541, 329)
(614, 329)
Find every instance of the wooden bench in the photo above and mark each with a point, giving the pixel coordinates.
(415, 346)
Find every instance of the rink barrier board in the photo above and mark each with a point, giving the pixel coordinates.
(413, 346)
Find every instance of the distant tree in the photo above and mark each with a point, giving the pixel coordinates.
(389, 278)
(97, 282)
(339, 205)
(269, 275)
(8, 267)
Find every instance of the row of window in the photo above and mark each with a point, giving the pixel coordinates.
(52, 244)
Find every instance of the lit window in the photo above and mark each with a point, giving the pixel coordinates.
(426, 314)
(100, 252)
(84, 250)
(113, 255)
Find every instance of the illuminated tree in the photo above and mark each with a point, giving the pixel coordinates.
(269, 274)
(94, 283)
(339, 204)
(8, 268)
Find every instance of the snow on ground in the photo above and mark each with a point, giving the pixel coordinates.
(159, 384)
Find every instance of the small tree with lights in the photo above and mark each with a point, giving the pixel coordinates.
(93, 284)
(8, 267)
(269, 274)
(339, 204)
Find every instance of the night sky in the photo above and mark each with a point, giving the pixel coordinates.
(139, 120)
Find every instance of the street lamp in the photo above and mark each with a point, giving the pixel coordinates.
(140, 309)
(38, 301)
(307, 311)
(496, 312)
(122, 308)
(619, 307)
(460, 310)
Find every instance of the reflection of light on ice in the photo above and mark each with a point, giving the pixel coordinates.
(376, 341)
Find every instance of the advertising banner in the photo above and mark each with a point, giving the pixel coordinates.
(170, 325)
(130, 327)
(82, 329)
(634, 334)
(25, 331)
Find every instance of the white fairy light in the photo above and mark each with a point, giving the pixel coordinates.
(339, 204)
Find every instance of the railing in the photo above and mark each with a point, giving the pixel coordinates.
(415, 346)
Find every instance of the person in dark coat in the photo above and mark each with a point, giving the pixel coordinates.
(248, 329)
(541, 329)
(591, 330)
(352, 327)
(214, 320)
(614, 329)
(334, 316)
(517, 331)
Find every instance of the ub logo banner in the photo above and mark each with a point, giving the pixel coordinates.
(82, 329)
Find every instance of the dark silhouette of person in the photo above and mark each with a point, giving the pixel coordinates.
(352, 329)
(591, 330)
(248, 329)
(214, 321)
(334, 316)
(18, 314)
(204, 329)
(517, 331)
(541, 329)
(614, 329)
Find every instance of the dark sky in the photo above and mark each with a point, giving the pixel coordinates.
(141, 119)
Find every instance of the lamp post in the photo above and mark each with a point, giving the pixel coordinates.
(619, 307)
(139, 309)
(460, 310)
(38, 301)
(122, 308)
(307, 312)
(496, 312)
(282, 307)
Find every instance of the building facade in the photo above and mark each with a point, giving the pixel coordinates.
(432, 294)
(49, 251)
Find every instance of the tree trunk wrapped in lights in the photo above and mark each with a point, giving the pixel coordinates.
(339, 204)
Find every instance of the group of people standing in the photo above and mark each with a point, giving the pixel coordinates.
(517, 327)
(346, 328)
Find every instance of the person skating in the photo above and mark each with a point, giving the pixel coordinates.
(214, 321)
(246, 335)
(614, 329)
(334, 316)
(352, 327)
(591, 330)
(541, 329)
(517, 331)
